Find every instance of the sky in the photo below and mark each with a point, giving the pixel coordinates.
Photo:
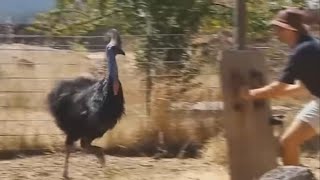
(23, 11)
(313, 4)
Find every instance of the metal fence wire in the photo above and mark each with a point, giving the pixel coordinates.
(14, 92)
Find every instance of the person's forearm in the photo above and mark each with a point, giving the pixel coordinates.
(274, 90)
(294, 89)
(262, 93)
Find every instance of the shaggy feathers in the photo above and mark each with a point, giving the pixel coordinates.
(85, 107)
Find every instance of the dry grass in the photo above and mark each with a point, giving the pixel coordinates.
(216, 150)
(166, 133)
(25, 122)
(172, 132)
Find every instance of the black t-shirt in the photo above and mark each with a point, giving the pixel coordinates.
(304, 65)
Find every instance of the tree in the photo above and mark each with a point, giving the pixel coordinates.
(169, 26)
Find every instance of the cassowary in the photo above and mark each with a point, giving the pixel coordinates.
(85, 108)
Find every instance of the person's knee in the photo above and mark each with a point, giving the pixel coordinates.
(289, 142)
(297, 134)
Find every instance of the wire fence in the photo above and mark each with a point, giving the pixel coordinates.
(34, 116)
(96, 43)
(7, 119)
(24, 112)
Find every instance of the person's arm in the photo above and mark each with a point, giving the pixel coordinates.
(273, 90)
(286, 84)
(296, 89)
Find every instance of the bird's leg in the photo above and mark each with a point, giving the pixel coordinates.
(98, 151)
(69, 148)
(66, 162)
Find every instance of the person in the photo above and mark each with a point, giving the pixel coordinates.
(301, 72)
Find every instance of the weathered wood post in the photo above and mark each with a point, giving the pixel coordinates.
(251, 145)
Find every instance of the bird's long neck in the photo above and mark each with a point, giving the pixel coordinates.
(112, 65)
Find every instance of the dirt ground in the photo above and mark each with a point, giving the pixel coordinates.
(85, 167)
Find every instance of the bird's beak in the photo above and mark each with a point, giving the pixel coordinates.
(120, 51)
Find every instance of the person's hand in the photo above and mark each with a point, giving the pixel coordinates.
(116, 87)
(245, 93)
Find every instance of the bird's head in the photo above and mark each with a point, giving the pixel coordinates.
(112, 37)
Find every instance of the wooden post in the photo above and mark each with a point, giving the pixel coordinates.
(251, 145)
(241, 24)
(148, 69)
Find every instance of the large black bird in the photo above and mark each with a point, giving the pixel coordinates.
(85, 108)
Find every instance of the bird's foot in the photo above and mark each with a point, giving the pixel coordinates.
(65, 175)
(97, 151)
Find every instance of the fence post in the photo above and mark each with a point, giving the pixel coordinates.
(9, 30)
(251, 145)
(148, 69)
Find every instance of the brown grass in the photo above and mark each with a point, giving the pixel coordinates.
(169, 133)
(166, 133)
(25, 122)
(216, 150)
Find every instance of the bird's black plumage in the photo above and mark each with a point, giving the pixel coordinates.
(86, 108)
